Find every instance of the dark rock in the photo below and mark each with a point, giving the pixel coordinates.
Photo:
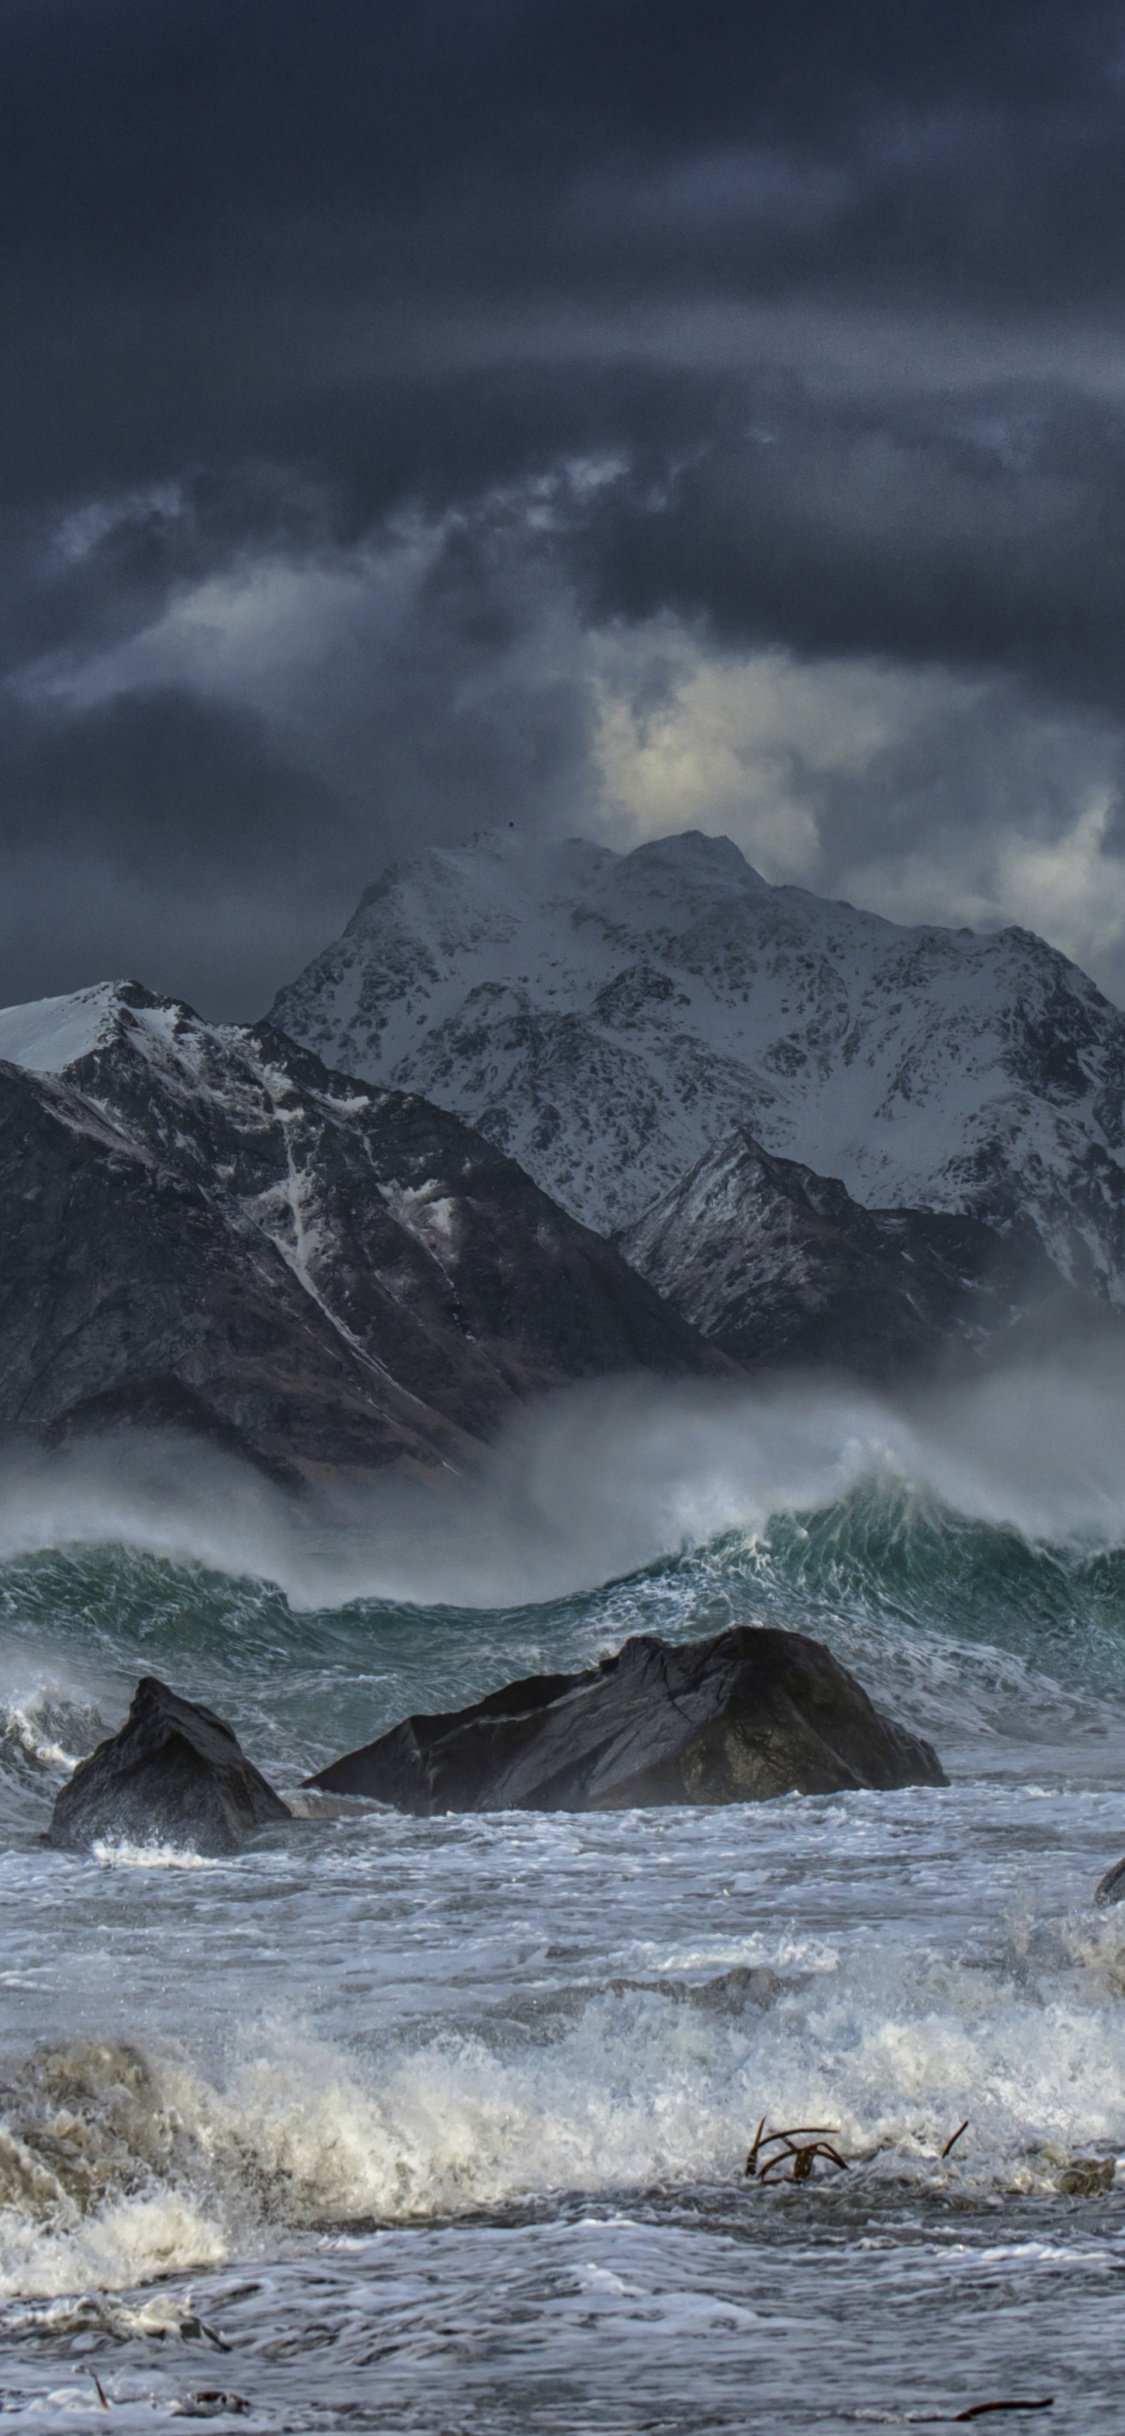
(740, 1718)
(1111, 1888)
(174, 1774)
(1084, 2177)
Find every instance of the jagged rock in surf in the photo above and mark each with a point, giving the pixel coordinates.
(1111, 1888)
(742, 1717)
(175, 1774)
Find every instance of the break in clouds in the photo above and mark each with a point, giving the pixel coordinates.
(603, 417)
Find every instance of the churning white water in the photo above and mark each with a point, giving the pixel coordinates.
(441, 2125)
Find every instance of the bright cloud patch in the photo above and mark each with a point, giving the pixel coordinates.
(437, 676)
(921, 794)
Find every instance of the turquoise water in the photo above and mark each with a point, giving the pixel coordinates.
(441, 2124)
(927, 1603)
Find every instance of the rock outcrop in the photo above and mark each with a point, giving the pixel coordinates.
(1111, 1888)
(741, 1717)
(175, 1774)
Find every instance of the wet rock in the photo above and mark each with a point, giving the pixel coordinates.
(175, 1774)
(742, 1717)
(1084, 2177)
(1111, 1888)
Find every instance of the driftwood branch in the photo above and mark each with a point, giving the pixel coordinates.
(978, 2410)
(802, 2142)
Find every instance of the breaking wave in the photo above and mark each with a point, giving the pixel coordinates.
(960, 1622)
(116, 2166)
(529, 2058)
(595, 1484)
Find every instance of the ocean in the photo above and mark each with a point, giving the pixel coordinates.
(441, 2125)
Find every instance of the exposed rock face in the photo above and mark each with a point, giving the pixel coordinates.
(609, 1018)
(202, 1225)
(1111, 1888)
(740, 1718)
(175, 1774)
(776, 1264)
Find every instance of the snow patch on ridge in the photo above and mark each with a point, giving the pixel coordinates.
(50, 1034)
(425, 1211)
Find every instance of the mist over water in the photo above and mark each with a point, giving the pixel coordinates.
(442, 2122)
(594, 1483)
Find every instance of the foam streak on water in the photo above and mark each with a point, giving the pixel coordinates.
(441, 2124)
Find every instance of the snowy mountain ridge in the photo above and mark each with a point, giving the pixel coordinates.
(606, 1019)
(201, 1223)
(777, 1265)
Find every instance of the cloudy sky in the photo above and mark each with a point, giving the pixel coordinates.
(606, 415)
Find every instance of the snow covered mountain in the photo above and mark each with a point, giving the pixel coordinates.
(202, 1225)
(607, 1019)
(778, 1265)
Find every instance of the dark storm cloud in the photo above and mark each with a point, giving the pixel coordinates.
(210, 844)
(94, 777)
(986, 536)
(804, 323)
(114, 889)
(223, 215)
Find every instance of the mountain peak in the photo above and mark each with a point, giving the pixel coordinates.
(694, 855)
(606, 1018)
(773, 1263)
(50, 1034)
(203, 1225)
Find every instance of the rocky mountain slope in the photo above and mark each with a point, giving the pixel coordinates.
(201, 1224)
(778, 1265)
(607, 1019)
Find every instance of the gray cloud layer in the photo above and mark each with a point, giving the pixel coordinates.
(567, 411)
